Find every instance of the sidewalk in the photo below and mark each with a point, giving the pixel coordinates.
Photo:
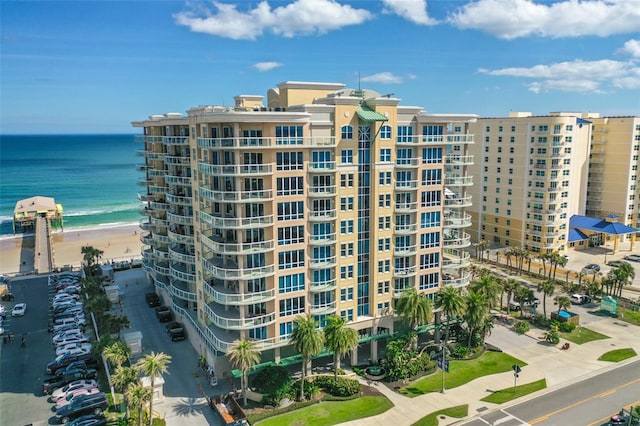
(559, 368)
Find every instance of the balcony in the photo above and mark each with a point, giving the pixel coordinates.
(319, 167)
(179, 272)
(406, 228)
(230, 320)
(405, 250)
(231, 297)
(319, 216)
(235, 169)
(179, 199)
(177, 160)
(181, 256)
(459, 160)
(161, 253)
(162, 269)
(407, 163)
(317, 240)
(322, 308)
(456, 180)
(453, 260)
(146, 239)
(406, 207)
(182, 294)
(147, 139)
(327, 262)
(175, 140)
(322, 287)
(144, 181)
(145, 225)
(458, 220)
(236, 196)
(454, 139)
(178, 180)
(456, 281)
(219, 246)
(457, 242)
(157, 189)
(155, 221)
(234, 223)
(457, 201)
(232, 271)
(403, 185)
(407, 271)
(176, 237)
(180, 218)
(322, 191)
(258, 143)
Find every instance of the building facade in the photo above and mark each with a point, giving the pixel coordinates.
(326, 201)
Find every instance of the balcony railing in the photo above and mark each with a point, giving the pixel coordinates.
(459, 160)
(233, 272)
(326, 262)
(180, 218)
(182, 294)
(463, 241)
(454, 139)
(235, 169)
(323, 286)
(456, 281)
(406, 184)
(323, 308)
(406, 207)
(263, 142)
(322, 239)
(179, 199)
(317, 216)
(324, 166)
(177, 160)
(322, 191)
(464, 201)
(231, 248)
(232, 223)
(453, 180)
(238, 323)
(178, 180)
(236, 196)
(180, 256)
(405, 250)
(176, 237)
(175, 140)
(406, 229)
(226, 297)
(406, 271)
(457, 221)
(407, 163)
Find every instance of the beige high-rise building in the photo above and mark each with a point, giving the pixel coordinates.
(533, 173)
(322, 200)
(613, 186)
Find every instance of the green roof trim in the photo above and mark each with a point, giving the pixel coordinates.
(368, 115)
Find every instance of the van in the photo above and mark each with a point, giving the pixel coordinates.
(580, 299)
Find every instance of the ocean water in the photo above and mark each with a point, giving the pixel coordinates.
(92, 176)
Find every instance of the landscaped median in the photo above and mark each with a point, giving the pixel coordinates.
(457, 412)
(510, 393)
(461, 372)
(618, 355)
(582, 335)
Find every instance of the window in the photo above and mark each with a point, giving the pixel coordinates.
(289, 135)
(431, 155)
(293, 306)
(346, 250)
(430, 240)
(290, 186)
(569, 128)
(405, 134)
(346, 180)
(431, 198)
(346, 294)
(289, 161)
(346, 132)
(290, 235)
(289, 211)
(346, 227)
(347, 156)
(346, 203)
(385, 132)
(286, 328)
(384, 200)
(429, 260)
(384, 265)
(429, 219)
(384, 222)
(291, 259)
(433, 130)
(347, 315)
(346, 272)
(289, 283)
(429, 281)
(384, 244)
(384, 178)
(384, 287)
(432, 177)
(385, 155)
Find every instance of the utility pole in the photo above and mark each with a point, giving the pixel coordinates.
(516, 370)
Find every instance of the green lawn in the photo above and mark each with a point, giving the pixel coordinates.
(582, 335)
(461, 372)
(618, 355)
(504, 395)
(629, 316)
(432, 419)
(329, 413)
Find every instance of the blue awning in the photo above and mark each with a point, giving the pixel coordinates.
(595, 224)
(577, 235)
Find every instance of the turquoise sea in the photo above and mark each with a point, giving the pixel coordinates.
(92, 176)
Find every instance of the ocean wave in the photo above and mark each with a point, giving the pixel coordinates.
(106, 210)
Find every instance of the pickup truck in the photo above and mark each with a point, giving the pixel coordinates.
(175, 330)
(164, 314)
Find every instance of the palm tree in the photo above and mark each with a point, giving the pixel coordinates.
(152, 365)
(136, 396)
(91, 256)
(477, 310)
(560, 261)
(510, 286)
(482, 246)
(414, 308)
(563, 303)
(622, 275)
(116, 353)
(123, 376)
(307, 340)
(452, 304)
(488, 286)
(547, 288)
(244, 355)
(521, 295)
(339, 339)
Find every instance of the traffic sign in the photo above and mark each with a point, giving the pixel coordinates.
(516, 368)
(446, 365)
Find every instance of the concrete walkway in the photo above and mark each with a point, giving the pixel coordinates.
(559, 368)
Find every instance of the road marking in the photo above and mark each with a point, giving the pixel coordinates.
(575, 404)
(503, 419)
(604, 419)
(511, 416)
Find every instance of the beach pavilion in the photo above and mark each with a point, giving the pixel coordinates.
(593, 231)
(28, 210)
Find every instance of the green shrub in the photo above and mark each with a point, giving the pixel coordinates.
(359, 371)
(540, 321)
(521, 327)
(270, 379)
(340, 387)
(460, 352)
(566, 327)
(310, 389)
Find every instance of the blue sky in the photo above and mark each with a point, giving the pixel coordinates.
(94, 66)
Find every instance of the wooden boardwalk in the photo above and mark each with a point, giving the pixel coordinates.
(43, 253)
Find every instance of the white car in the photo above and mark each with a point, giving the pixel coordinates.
(73, 395)
(57, 338)
(19, 310)
(72, 289)
(2, 309)
(84, 347)
(58, 298)
(73, 351)
(80, 338)
(78, 384)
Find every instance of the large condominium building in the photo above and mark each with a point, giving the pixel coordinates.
(323, 200)
(533, 173)
(613, 186)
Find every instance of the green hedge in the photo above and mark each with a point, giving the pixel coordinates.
(339, 387)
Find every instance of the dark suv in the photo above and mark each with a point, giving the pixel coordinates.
(152, 299)
(64, 360)
(83, 404)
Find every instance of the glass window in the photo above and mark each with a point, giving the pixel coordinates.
(385, 132)
(346, 132)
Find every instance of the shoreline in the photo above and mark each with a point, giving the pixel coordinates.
(117, 241)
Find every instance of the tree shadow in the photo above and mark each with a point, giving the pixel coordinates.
(190, 406)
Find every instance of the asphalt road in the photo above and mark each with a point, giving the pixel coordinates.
(590, 402)
(22, 369)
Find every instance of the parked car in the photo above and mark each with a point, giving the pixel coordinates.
(82, 365)
(76, 384)
(164, 314)
(72, 289)
(52, 384)
(85, 404)
(71, 351)
(74, 395)
(7, 297)
(618, 263)
(633, 257)
(19, 309)
(87, 347)
(514, 306)
(89, 420)
(152, 299)
(175, 330)
(80, 338)
(65, 359)
(580, 299)
(592, 267)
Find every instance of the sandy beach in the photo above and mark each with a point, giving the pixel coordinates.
(117, 242)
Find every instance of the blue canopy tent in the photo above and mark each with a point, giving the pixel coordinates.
(584, 227)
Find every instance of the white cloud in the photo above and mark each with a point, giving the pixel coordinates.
(301, 17)
(382, 77)
(576, 76)
(510, 19)
(411, 10)
(266, 66)
(631, 48)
